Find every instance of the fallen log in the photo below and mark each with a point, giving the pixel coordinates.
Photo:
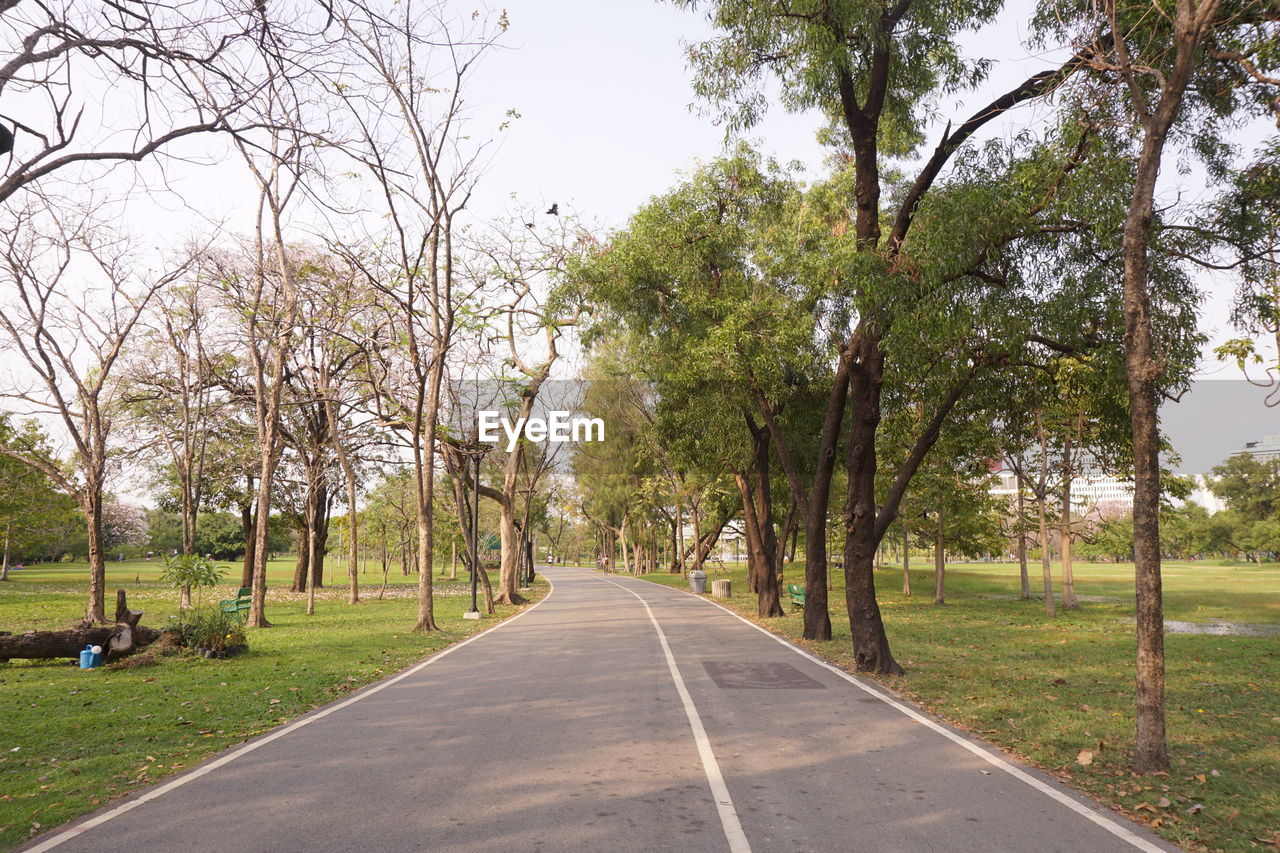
(118, 640)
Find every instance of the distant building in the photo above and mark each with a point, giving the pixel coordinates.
(1204, 496)
(1104, 496)
(1268, 447)
(1092, 491)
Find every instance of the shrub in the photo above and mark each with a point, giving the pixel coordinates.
(210, 628)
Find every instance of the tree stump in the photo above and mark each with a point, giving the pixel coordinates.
(721, 588)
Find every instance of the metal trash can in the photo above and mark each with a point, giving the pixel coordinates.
(698, 581)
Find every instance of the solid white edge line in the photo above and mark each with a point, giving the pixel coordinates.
(306, 720)
(1102, 820)
(733, 832)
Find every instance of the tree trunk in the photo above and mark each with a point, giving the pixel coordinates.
(1024, 578)
(528, 559)
(507, 576)
(696, 516)
(302, 567)
(761, 578)
(319, 535)
(8, 539)
(312, 554)
(751, 533)
(906, 562)
(814, 503)
(91, 504)
(769, 586)
(261, 534)
(677, 545)
(1042, 495)
(1064, 530)
(1143, 366)
(353, 516)
(788, 527)
(940, 559)
(870, 643)
(248, 524)
(622, 537)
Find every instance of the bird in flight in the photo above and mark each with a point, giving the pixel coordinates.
(554, 210)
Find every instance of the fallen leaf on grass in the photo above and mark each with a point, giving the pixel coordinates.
(1200, 778)
(1163, 803)
(1273, 839)
(1144, 807)
(1196, 809)
(1085, 758)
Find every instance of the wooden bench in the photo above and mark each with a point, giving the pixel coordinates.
(238, 606)
(797, 594)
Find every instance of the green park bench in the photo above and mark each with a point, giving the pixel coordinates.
(797, 594)
(239, 605)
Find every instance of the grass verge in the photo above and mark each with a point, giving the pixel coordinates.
(1046, 689)
(73, 740)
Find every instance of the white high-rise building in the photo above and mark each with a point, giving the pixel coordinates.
(1204, 496)
(1268, 447)
(1092, 491)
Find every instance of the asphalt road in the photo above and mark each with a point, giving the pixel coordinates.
(616, 715)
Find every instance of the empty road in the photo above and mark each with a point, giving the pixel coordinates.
(616, 715)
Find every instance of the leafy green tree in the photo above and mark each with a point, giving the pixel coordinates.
(1178, 70)
(688, 282)
(1112, 538)
(31, 506)
(1249, 485)
(875, 70)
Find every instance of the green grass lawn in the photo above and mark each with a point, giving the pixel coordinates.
(1045, 689)
(72, 740)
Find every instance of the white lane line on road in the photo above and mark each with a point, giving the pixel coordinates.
(204, 769)
(724, 803)
(1102, 820)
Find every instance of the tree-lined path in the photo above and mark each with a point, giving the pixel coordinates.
(615, 715)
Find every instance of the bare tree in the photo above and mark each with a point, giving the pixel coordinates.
(67, 339)
(527, 260)
(172, 393)
(100, 84)
(404, 74)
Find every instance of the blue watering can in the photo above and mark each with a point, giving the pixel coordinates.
(90, 657)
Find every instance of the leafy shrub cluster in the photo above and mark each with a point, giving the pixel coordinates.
(209, 629)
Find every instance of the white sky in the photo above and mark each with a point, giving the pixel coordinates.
(604, 95)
